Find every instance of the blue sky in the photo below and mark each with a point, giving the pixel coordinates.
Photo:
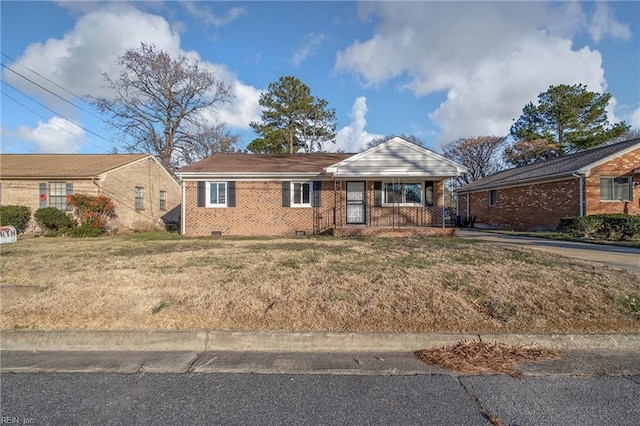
(437, 70)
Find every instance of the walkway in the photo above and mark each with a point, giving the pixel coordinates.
(618, 257)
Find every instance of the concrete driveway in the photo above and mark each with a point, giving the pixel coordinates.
(613, 256)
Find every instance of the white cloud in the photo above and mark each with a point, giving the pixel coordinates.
(78, 60)
(55, 136)
(604, 23)
(490, 58)
(245, 107)
(200, 11)
(310, 44)
(354, 137)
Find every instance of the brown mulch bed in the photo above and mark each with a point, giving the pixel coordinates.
(478, 357)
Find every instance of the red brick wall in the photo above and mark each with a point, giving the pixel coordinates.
(621, 166)
(541, 206)
(259, 211)
(528, 207)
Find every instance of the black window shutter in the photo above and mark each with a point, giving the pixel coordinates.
(231, 193)
(428, 193)
(69, 193)
(43, 195)
(202, 193)
(317, 193)
(377, 187)
(286, 194)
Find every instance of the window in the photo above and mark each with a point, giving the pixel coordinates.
(301, 194)
(493, 197)
(616, 189)
(58, 195)
(163, 200)
(216, 194)
(403, 193)
(139, 198)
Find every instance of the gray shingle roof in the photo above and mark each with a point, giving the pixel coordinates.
(555, 167)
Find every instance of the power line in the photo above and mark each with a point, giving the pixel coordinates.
(53, 93)
(57, 113)
(41, 76)
(41, 116)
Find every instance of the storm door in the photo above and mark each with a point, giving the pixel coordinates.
(356, 196)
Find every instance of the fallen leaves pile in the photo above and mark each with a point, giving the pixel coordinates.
(478, 357)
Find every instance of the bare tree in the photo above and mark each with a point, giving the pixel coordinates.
(207, 141)
(409, 138)
(158, 103)
(481, 155)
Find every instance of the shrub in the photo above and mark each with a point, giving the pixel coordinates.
(616, 226)
(619, 226)
(92, 212)
(86, 230)
(16, 216)
(581, 227)
(53, 220)
(172, 227)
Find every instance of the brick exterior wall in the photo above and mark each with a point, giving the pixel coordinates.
(259, 211)
(621, 166)
(119, 185)
(528, 207)
(540, 206)
(148, 174)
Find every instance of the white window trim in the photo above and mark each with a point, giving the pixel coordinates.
(384, 194)
(616, 200)
(208, 195)
(292, 192)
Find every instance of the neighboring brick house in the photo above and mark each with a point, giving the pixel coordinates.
(394, 187)
(535, 197)
(143, 192)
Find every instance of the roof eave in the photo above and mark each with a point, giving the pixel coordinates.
(548, 178)
(247, 175)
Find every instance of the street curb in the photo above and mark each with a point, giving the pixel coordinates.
(280, 341)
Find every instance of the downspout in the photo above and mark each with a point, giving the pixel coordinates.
(581, 185)
(93, 181)
(468, 207)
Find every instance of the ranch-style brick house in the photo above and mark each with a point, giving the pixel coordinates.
(536, 196)
(143, 192)
(395, 187)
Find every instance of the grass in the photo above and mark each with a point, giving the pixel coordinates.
(163, 281)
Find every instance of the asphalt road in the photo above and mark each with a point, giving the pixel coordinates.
(617, 257)
(265, 399)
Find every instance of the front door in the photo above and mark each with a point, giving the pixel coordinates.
(356, 196)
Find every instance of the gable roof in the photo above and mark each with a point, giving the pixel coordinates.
(59, 166)
(262, 164)
(397, 157)
(579, 163)
(393, 158)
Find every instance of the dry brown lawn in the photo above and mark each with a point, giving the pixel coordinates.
(160, 281)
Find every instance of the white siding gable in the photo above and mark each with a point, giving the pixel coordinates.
(396, 158)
